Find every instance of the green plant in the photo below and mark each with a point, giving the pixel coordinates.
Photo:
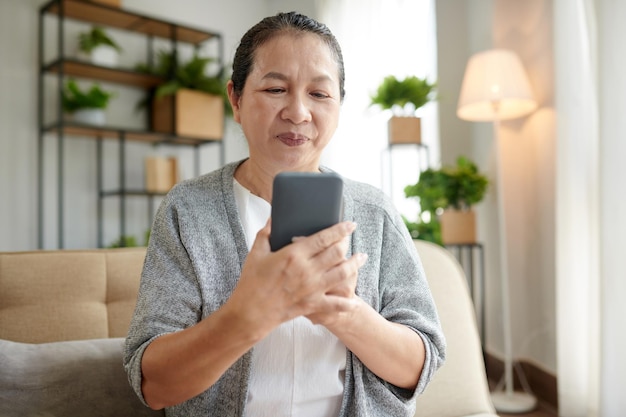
(425, 230)
(73, 98)
(396, 94)
(97, 36)
(459, 187)
(129, 241)
(124, 242)
(191, 74)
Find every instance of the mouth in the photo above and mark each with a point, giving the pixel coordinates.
(292, 139)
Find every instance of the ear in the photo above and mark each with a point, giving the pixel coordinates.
(233, 98)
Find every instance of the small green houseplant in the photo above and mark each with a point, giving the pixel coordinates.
(99, 46)
(97, 36)
(427, 228)
(190, 75)
(86, 106)
(448, 195)
(189, 91)
(403, 97)
(129, 241)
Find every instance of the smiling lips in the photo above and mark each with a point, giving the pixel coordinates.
(292, 139)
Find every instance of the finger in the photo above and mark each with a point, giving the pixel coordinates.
(333, 255)
(341, 280)
(319, 241)
(262, 239)
(331, 308)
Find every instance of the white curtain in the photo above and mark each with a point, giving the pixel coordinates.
(577, 206)
(380, 38)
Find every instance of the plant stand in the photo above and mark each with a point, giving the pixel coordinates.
(386, 161)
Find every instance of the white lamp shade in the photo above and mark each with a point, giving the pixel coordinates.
(495, 85)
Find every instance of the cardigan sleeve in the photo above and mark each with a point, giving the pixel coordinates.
(169, 297)
(394, 283)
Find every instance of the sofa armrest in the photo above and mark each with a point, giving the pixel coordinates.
(460, 387)
(73, 378)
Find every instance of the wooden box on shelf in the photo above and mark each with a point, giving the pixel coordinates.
(405, 130)
(161, 173)
(197, 114)
(458, 226)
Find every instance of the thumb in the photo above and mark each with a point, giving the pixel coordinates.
(262, 239)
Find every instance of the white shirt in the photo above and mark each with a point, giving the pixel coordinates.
(298, 369)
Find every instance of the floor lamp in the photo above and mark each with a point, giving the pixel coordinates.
(495, 88)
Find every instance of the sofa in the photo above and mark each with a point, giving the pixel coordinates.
(64, 314)
(63, 317)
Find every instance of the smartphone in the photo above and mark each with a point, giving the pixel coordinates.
(303, 203)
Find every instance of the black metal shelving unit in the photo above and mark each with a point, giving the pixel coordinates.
(63, 66)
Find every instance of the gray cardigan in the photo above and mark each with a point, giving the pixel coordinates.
(194, 258)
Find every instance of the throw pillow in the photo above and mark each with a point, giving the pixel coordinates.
(75, 378)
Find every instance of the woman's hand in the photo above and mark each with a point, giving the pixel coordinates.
(310, 277)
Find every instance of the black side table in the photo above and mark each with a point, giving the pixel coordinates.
(472, 259)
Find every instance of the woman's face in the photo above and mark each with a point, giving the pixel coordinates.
(289, 107)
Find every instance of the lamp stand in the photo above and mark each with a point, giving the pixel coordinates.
(507, 401)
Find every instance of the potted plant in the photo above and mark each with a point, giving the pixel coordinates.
(425, 228)
(85, 106)
(448, 195)
(99, 46)
(403, 97)
(191, 102)
(130, 241)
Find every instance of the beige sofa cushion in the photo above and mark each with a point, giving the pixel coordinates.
(48, 296)
(123, 276)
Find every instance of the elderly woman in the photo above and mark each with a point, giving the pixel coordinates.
(340, 323)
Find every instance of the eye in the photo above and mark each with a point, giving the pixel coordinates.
(275, 90)
(319, 94)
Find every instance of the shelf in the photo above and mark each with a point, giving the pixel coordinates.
(63, 66)
(135, 135)
(137, 193)
(123, 19)
(76, 68)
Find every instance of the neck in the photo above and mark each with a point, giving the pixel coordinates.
(256, 179)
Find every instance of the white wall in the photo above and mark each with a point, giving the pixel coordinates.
(18, 120)
(527, 147)
(529, 159)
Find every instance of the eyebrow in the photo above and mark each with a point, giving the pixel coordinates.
(273, 75)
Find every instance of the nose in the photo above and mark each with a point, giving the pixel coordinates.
(296, 109)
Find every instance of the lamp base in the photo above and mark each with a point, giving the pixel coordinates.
(513, 402)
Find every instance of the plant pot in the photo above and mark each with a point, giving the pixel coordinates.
(189, 113)
(458, 226)
(104, 55)
(161, 174)
(95, 117)
(405, 130)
